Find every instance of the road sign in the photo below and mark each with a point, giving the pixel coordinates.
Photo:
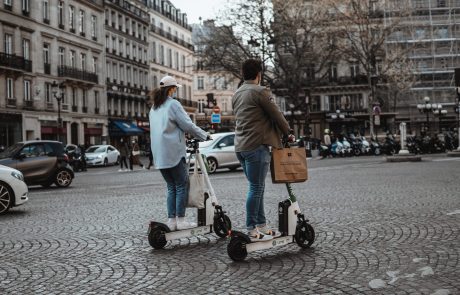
(216, 109)
(215, 118)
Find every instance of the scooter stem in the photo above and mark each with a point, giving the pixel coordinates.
(292, 197)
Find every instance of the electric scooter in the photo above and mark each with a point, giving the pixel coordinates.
(292, 226)
(211, 218)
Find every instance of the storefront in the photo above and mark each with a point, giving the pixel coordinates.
(10, 129)
(123, 129)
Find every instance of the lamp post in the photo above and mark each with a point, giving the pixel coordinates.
(338, 116)
(457, 110)
(439, 112)
(426, 109)
(59, 95)
(374, 80)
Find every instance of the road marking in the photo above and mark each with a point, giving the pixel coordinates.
(454, 212)
(448, 159)
(377, 284)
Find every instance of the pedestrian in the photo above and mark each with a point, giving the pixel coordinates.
(168, 124)
(327, 141)
(135, 154)
(124, 153)
(148, 151)
(83, 157)
(259, 125)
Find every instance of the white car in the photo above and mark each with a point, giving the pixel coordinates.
(219, 152)
(13, 189)
(98, 155)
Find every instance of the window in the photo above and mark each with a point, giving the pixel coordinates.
(26, 6)
(9, 88)
(61, 56)
(122, 73)
(7, 2)
(26, 90)
(134, 51)
(154, 52)
(26, 48)
(128, 49)
(120, 46)
(177, 60)
(170, 62)
(74, 97)
(200, 83)
(93, 27)
(61, 14)
(83, 61)
(72, 58)
(354, 69)
(441, 3)
(96, 99)
(94, 68)
(81, 24)
(162, 55)
(85, 98)
(333, 72)
(46, 11)
(72, 18)
(48, 92)
(36, 150)
(8, 44)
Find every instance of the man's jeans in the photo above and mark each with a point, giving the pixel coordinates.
(176, 180)
(255, 165)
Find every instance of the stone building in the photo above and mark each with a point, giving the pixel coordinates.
(52, 48)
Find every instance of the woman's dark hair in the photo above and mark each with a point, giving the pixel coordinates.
(251, 67)
(159, 96)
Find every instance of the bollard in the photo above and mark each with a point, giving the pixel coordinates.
(402, 129)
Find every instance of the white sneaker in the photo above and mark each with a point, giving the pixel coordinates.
(120, 170)
(183, 224)
(172, 224)
(268, 231)
(256, 236)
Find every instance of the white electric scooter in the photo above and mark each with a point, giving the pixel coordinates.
(292, 226)
(211, 218)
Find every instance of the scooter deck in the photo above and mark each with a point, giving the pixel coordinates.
(186, 233)
(275, 242)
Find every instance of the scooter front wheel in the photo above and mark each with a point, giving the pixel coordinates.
(157, 238)
(222, 225)
(304, 235)
(236, 249)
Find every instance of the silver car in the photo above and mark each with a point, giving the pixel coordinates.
(98, 155)
(220, 152)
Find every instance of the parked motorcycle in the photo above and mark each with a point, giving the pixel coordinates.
(376, 149)
(365, 146)
(389, 146)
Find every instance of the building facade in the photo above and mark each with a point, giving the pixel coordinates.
(126, 65)
(171, 49)
(52, 48)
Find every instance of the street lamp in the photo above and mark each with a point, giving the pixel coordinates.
(457, 110)
(426, 108)
(439, 112)
(59, 95)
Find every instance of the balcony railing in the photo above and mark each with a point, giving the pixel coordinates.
(16, 62)
(65, 71)
(28, 104)
(74, 109)
(96, 110)
(49, 105)
(84, 109)
(11, 102)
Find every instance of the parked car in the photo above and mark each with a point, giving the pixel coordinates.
(42, 162)
(98, 155)
(13, 189)
(220, 152)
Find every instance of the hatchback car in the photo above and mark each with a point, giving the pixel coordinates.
(220, 152)
(42, 162)
(13, 190)
(98, 155)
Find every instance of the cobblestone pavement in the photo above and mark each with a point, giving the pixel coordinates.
(382, 228)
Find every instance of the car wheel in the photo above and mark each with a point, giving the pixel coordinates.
(212, 164)
(6, 197)
(63, 178)
(106, 162)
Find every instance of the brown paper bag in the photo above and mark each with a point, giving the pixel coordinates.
(289, 165)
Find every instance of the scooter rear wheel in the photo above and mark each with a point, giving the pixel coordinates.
(222, 225)
(304, 235)
(157, 238)
(236, 249)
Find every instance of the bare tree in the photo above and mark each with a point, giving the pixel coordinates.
(363, 27)
(290, 37)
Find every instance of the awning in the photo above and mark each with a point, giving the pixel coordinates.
(124, 128)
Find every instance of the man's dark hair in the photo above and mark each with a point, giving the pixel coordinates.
(251, 67)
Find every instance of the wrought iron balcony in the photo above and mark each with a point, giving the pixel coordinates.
(70, 72)
(47, 68)
(15, 62)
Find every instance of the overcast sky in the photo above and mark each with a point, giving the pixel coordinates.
(207, 9)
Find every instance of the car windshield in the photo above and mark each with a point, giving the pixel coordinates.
(207, 143)
(96, 149)
(11, 150)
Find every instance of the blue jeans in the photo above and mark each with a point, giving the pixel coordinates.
(255, 165)
(176, 180)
